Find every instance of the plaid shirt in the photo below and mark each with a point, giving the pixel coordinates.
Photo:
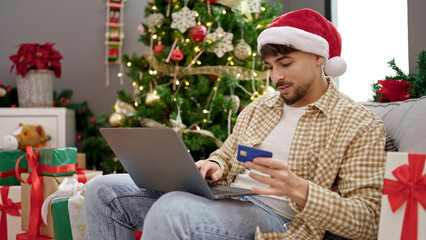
(339, 147)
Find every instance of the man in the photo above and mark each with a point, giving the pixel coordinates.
(327, 170)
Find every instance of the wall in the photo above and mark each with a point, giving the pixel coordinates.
(416, 31)
(78, 29)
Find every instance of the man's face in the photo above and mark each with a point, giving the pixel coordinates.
(295, 76)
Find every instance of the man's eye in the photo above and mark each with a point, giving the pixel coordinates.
(286, 64)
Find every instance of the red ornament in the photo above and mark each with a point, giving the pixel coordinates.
(198, 32)
(177, 55)
(55, 104)
(9, 90)
(1, 84)
(92, 120)
(83, 111)
(64, 100)
(394, 90)
(158, 49)
(79, 137)
(211, 1)
(13, 106)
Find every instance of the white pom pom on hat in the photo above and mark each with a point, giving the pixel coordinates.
(308, 31)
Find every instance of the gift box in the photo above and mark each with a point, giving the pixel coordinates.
(10, 217)
(61, 219)
(7, 167)
(403, 209)
(81, 160)
(49, 185)
(24, 236)
(57, 161)
(77, 217)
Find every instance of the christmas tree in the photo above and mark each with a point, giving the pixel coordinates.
(201, 70)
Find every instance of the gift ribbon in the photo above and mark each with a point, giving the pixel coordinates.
(12, 172)
(81, 176)
(8, 207)
(411, 187)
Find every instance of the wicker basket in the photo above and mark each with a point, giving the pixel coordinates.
(35, 89)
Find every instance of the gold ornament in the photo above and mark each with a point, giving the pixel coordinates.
(242, 50)
(266, 90)
(235, 103)
(151, 97)
(116, 119)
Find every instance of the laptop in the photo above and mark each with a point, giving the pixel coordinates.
(157, 159)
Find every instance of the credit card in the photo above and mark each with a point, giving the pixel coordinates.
(249, 153)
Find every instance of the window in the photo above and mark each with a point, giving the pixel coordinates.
(373, 33)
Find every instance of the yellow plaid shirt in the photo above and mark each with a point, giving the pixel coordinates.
(339, 147)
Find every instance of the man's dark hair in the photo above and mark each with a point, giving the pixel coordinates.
(272, 50)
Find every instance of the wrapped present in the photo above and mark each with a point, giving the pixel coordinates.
(8, 161)
(77, 214)
(403, 210)
(33, 197)
(10, 216)
(24, 236)
(81, 160)
(61, 219)
(57, 161)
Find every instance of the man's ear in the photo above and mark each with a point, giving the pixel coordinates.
(319, 59)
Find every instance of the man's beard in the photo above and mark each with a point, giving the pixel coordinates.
(299, 93)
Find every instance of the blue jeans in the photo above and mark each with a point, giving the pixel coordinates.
(115, 207)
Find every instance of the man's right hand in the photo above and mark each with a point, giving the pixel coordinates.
(209, 170)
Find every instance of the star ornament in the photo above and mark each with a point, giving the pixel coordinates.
(183, 19)
(394, 90)
(154, 20)
(225, 44)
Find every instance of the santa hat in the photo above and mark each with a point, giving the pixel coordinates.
(308, 31)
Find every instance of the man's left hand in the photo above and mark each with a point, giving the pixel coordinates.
(281, 180)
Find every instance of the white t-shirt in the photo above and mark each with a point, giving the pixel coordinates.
(278, 142)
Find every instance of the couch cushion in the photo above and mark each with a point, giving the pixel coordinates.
(405, 121)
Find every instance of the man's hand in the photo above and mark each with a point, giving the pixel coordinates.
(209, 170)
(281, 181)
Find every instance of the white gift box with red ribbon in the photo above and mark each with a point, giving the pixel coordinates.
(403, 211)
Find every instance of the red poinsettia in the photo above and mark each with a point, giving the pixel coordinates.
(394, 90)
(36, 56)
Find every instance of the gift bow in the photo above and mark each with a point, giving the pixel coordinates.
(8, 207)
(411, 187)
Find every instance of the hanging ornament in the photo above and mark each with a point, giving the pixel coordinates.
(235, 103)
(116, 119)
(242, 50)
(124, 108)
(225, 44)
(2, 92)
(158, 49)
(151, 97)
(154, 20)
(211, 1)
(198, 32)
(177, 55)
(141, 30)
(183, 19)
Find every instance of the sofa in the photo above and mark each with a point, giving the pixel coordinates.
(405, 123)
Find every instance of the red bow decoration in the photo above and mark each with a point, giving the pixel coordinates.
(8, 207)
(411, 187)
(394, 90)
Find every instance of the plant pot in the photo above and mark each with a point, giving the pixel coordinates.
(35, 89)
